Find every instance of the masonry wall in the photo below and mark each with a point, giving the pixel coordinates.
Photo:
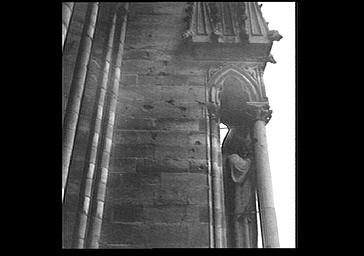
(157, 188)
(157, 193)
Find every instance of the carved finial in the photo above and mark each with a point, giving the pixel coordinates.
(259, 111)
(274, 35)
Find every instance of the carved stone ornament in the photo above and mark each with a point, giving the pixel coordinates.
(271, 59)
(188, 20)
(259, 111)
(273, 35)
(254, 69)
(222, 22)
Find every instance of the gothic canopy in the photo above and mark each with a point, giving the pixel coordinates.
(228, 22)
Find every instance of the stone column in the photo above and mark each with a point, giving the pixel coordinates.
(76, 91)
(260, 113)
(105, 151)
(67, 9)
(86, 188)
(217, 181)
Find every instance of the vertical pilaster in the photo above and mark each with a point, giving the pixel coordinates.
(86, 188)
(261, 114)
(76, 92)
(67, 9)
(103, 168)
(217, 184)
(209, 178)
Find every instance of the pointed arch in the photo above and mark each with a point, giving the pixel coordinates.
(248, 83)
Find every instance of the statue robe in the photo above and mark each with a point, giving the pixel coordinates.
(242, 196)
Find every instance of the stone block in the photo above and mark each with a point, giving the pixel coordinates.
(151, 235)
(161, 235)
(170, 80)
(135, 188)
(124, 122)
(179, 192)
(198, 235)
(169, 94)
(181, 214)
(147, 67)
(160, 138)
(127, 80)
(118, 233)
(133, 150)
(191, 152)
(184, 180)
(126, 213)
(128, 123)
(163, 39)
(140, 180)
(204, 214)
(123, 165)
(143, 195)
(147, 166)
(139, 109)
(198, 165)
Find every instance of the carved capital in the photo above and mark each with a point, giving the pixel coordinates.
(259, 111)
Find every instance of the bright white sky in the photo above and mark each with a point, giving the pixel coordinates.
(279, 82)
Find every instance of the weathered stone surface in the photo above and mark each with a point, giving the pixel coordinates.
(123, 165)
(146, 109)
(159, 137)
(127, 213)
(157, 93)
(155, 235)
(157, 184)
(164, 124)
(156, 172)
(171, 80)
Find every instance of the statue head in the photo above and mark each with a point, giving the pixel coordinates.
(238, 141)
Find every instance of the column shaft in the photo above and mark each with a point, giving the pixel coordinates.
(76, 92)
(209, 179)
(103, 169)
(217, 186)
(86, 187)
(67, 9)
(264, 188)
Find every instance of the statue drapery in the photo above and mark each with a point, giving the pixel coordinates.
(239, 177)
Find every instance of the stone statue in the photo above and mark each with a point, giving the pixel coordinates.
(237, 151)
(239, 167)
